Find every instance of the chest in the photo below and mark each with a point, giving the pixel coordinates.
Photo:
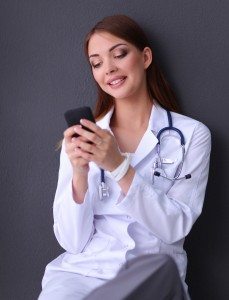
(170, 153)
(128, 141)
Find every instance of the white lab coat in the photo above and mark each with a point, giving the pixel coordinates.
(100, 236)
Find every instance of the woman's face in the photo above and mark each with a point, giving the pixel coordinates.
(117, 66)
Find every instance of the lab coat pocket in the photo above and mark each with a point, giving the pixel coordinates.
(170, 154)
(169, 167)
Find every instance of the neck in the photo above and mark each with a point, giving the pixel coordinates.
(132, 115)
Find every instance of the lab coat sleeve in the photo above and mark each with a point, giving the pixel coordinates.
(73, 223)
(170, 215)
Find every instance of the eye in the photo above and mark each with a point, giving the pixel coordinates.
(96, 65)
(122, 54)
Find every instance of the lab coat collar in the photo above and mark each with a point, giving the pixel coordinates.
(158, 119)
(104, 123)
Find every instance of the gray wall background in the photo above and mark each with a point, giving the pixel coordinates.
(43, 73)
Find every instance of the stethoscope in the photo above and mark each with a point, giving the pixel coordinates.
(158, 163)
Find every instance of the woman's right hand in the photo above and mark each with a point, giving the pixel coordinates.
(79, 164)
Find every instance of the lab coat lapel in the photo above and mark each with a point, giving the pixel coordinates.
(149, 140)
(157, 120)
(104, 123)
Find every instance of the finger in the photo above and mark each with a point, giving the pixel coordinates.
(69, 132)
(79, 138)
(93, 137)
(73, 151)
(87, 147)
(96, 140)
(79, 162)
(93, 127)
(85, 155)
(76, 155)
(71, 144)
(82, 138)
(70, 138)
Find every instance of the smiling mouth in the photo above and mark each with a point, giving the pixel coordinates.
(117, 82)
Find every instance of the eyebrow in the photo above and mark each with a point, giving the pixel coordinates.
(112, 48)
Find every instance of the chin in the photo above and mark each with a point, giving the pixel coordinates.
(119, 95)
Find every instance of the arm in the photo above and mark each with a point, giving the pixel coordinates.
(79, 186)
(73, 222)
(170, 216)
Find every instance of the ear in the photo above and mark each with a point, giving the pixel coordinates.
(147, 57)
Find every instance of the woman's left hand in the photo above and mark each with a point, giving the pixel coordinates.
(104, 149)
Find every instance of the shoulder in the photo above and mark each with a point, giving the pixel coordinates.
(193, 130)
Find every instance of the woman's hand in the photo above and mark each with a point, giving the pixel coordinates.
(79, 164)
(104, 149)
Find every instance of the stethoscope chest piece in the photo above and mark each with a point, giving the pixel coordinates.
(160, 160)
(103, 191)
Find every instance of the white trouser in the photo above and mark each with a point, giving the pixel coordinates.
(68, 286)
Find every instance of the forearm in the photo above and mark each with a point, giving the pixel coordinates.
(169, 212)
(73, 222)
(79, 186)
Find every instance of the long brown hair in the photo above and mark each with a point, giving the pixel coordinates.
(128, 30)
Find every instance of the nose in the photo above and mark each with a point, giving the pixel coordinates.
(110, 68)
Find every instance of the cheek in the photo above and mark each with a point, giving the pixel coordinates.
(134, 64)
(95, 75)
(99, 79)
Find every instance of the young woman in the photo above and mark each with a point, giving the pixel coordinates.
(137, 188)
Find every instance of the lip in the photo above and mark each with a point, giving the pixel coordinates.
(115, 78)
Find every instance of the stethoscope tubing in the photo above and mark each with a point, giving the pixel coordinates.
(104, 191)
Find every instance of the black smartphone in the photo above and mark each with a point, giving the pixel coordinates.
(73, 116)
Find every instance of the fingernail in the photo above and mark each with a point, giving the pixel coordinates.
(83, 121)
